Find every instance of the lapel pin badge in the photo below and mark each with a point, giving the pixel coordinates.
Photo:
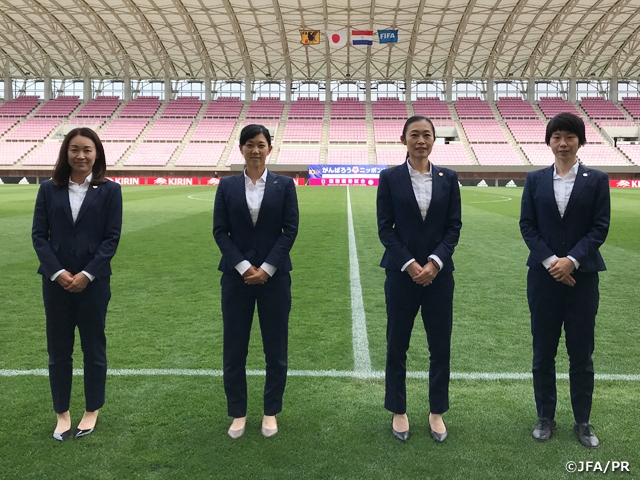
(275, 181)
(95, 186)
(441, 174)
(585, 174)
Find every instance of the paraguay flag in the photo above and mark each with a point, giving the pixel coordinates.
(362, 37)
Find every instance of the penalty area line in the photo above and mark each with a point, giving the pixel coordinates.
(370, 375)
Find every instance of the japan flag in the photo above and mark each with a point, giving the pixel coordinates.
(337, 38)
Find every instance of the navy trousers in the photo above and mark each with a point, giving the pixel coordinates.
(64, 312)
(552, 305)
(238, 305)
(404, 298)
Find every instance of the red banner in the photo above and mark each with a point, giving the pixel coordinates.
(181, 181)
(128, 180)
(342, 182)
(624, 183)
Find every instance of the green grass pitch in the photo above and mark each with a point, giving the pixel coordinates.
(165, 314)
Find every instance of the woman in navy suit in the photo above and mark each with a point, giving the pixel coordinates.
(76, 230)
(255, 222)
(419, 222)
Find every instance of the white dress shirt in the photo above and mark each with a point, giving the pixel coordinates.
(562, 188)
(77, 193)
(422, 184)
(254, 194)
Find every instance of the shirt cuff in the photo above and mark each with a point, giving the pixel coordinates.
(438, 261)
(575, 262)
(404, 267)
(546, 263)
(89, 276)
(56, 275)
(243, 266)
(270, 269)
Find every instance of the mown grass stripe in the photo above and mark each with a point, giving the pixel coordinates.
(362, 359)
(370, 375)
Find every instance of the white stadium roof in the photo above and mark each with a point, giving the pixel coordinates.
(260, 39)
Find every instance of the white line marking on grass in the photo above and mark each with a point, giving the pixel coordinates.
(362, 360)
(194, 197)
(502, 199)
(370, 375)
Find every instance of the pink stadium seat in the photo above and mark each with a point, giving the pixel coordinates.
(168, 129)
(448, 154)
(60, 107)
(11, 152)
(600, 155)
(34, 129)
(182, 107)
(124, 129)
(345, 156)
(235, 157)
(632, 152)
(306, 131)
(7, 124)
(527, 131)
(347, 107)
(100, 107)
(200, 155)
(551, 106)
(85, 121)
(305, 107)
(145, 107)
(224, 107)
(473, 107)
(113, 151)
(598, 107)
(431, 107)
(348, 131)
(515, 107)
(45, 156)
(387, 131)
(213, 130)
(484, 131)
(389, 108)
(151, 155)
(265, 108)
(291, 156)
(631, 105)
(496, 154)
(19, 107)
(538, 154)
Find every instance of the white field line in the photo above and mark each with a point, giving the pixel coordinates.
(362, 360)
(370, 375)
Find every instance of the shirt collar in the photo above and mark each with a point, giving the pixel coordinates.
(86, 180)
(573, 171)
(263, 177)
(413, 172)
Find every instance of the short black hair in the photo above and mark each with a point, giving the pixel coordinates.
(253, 130)
(566, 122)
(417, 118)
(62, 169)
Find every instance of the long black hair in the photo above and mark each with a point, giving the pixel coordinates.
(62, 169)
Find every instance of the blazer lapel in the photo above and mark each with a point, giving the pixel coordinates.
(436, 187)
(407, 187)
(270, 189)
(546, 185)
(89, 197)
(240, 192)
(581, 180)
(63, 197)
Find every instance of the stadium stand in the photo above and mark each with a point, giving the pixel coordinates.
(514, 107)
(200, 155)
(19, 107)
(387, 131)
(124, 129)
(306, 107)
(141, 107)
(348, 131)
(600, 156)
(340, 156)
(496, 154)
(303, 131)
(551, 106)
(60, 107)
(484, 131)
(632, 105)
(527, 131)
(386, 107)
(265, 108)
(7, 124)
(473, 107)
(224, 107)
(45, 155)
(113, 151)
(537, 154)
(151, 155)
(11, 152)
(182, 107)
(632, 152)
(598, 107)
(292, 156)
(213, 130)
(168, 129)
(34, 129)
(348, 107)
(431, 107)
(100, 107)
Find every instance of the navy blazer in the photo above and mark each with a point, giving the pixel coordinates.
(87, 244)
(272, 237)
(582, 229)
(403, 232)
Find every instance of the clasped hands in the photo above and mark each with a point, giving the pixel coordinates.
(73, 283)
(422, 275)
(561, 269)
(255, 276)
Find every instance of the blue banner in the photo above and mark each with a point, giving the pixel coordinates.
(388, 36)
